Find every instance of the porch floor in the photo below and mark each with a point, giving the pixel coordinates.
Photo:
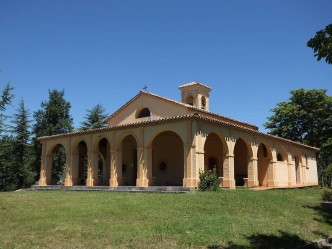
(151, 189)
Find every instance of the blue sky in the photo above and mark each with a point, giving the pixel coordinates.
(252, 53)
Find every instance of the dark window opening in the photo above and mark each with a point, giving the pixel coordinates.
(279, 157)
(190, 100)
(144, 113)
(203, 103)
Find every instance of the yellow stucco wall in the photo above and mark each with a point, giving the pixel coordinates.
(158, 109)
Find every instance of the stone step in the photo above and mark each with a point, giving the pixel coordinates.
(158, 189)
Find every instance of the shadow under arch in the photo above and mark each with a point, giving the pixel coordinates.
(104, 161)
(264, 163)
(242, 155)
(129, 160)
(56, 165)
(79, 162)
(167, 159)
(215, 150)
(161, 130)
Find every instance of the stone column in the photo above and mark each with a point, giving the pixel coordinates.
(42, 176)
(253, 172)
(148, 176)
(228, 169)
(69, 174)
(89, 181)
(113, 180)
(190, 177)
(302, 168)
(271, 181)
(290, 166)
(142, 180)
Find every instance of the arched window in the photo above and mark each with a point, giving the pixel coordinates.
(279, 157)
(203, 103)
(144, 113)
(190, 100)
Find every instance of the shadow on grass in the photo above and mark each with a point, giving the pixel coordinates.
(263, 241)
(324, 211)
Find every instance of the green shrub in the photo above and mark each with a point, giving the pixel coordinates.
(327, 195)
(208, 180)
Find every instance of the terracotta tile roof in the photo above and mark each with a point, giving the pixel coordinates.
(254, 127)
(193, 84)
(175, 118)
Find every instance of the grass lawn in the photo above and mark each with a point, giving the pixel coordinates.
(225, 219)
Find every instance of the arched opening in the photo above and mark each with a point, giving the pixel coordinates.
(241, 161)
(203, 103)
(190, 100)
(58, 171)
(298, 169)
(264, 157)
(168, 159)
(145, 112)
(82, 163)
(104, 162)
(214, 154)
(280, 158)
(129, 161)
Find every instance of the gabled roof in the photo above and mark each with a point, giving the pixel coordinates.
(198, 110)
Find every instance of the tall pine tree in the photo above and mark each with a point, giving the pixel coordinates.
(53, 118)
(6, 98)
(22, 146)
(8, 180)
(95, 118)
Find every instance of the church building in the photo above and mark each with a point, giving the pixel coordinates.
(156, 141)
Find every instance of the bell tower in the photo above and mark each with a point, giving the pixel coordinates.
(195, 94)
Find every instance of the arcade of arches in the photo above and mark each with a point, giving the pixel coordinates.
(172, 154)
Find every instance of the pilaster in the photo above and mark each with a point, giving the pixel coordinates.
(190, 178)
(42, 176)
(69, 176)
(92, 176)
(228, 168)
(291, 165)
(253, 172)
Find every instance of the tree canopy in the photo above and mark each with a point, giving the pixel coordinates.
(54, 116)
(322, 44)
(94, 118)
